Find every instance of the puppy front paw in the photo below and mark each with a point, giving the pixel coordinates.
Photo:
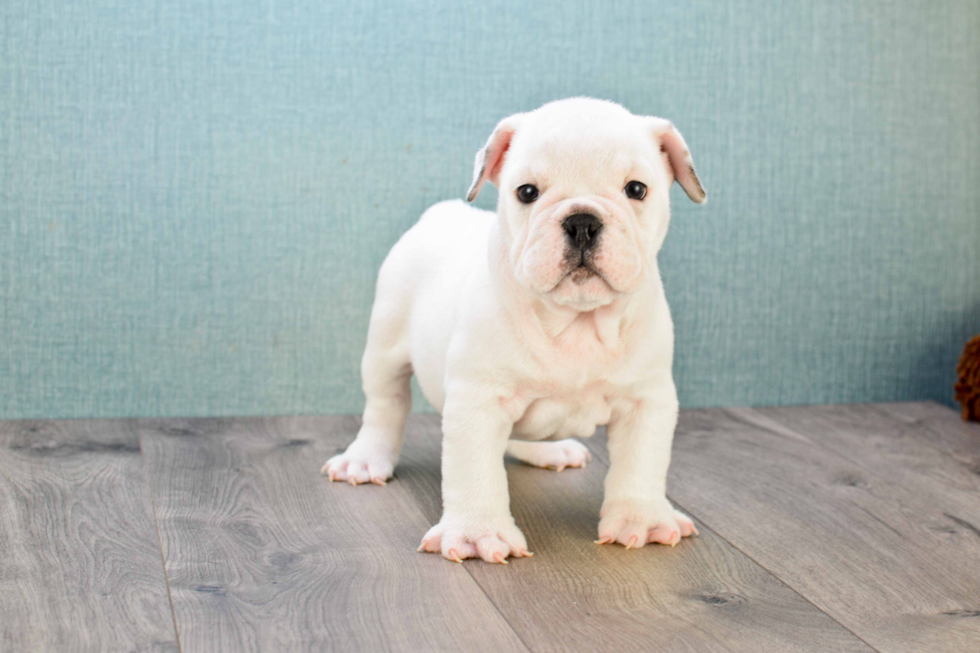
(361, 463)
(633, 524)
(493, 539)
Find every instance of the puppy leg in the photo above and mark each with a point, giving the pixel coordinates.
(552, 455)
(476, 520)
(386, 371)
(635, 509)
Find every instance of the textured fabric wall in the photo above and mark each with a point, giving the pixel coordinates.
(195, 196)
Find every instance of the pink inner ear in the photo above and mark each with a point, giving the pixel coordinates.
(670, 168)
(496, 162)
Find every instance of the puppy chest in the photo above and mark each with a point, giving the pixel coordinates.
(564, 416)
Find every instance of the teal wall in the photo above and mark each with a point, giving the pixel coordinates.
(195, 197)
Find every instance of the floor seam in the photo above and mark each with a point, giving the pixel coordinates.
(497, 608)
(156, 524)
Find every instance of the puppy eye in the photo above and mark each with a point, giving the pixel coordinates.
(636, 190)
(527, 193)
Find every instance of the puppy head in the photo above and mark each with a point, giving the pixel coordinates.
(584, 196)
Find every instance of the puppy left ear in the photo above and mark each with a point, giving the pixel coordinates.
(490, 159)
(673, 145)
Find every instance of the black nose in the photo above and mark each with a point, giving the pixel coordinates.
(583, 230)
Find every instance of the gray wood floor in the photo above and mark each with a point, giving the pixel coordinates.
(834, 528)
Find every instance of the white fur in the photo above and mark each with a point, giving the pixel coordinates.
(506, 343)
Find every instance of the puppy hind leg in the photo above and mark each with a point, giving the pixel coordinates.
(386, 371)
(551, 455)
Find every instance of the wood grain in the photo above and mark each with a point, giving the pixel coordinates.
(264, 554)
(833, 502)
(702, 595)
(80, 566)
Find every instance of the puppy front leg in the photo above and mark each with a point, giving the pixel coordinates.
(476, 519)
(635, 509)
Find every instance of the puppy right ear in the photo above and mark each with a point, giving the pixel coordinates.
(490, 160)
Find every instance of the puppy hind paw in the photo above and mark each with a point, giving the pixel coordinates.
(556, 456)
(356, 468)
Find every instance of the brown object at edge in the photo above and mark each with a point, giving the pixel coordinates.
(968, 380)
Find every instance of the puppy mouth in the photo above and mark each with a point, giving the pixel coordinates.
(580, 270)
(582, 273)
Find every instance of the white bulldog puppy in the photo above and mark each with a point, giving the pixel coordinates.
(536, 324)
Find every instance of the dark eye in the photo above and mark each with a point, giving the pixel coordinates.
(527, 193)
(636, 190)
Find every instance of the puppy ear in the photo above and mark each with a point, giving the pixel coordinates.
(490, 159)
(673, 145)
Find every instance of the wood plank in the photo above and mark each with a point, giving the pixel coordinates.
(941, 483)
(80, 566)
(702, 595)
(838, 515)
(264, 554)
(942, 427)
